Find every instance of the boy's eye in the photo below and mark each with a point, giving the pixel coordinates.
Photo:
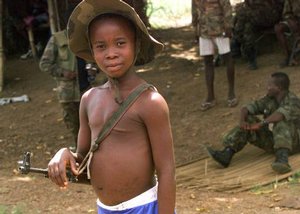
(120, 43)
(99, 46)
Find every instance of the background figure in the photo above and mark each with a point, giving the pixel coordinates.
(215, 24)
(20, 16)
(290, 24)
(37, 16)
(279, 107)
(61, 63)
(252, 17)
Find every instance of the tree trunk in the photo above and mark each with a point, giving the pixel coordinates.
(1, 47)
(52, 17)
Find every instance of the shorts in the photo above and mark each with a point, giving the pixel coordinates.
(290, 30)
(207, 46)
(145, 203)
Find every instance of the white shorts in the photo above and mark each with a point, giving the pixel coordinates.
(146, 198)
(208, 46)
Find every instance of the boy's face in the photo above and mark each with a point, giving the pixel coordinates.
(113, 45)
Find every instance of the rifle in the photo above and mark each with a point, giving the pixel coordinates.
(25, 168)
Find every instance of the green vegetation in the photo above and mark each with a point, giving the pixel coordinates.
(17, 209)
(169, 13)
(295, 178)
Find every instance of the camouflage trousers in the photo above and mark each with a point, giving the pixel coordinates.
(71, 118)
(283, 135)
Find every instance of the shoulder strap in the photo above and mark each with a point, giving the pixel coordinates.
(111, 123)
(113, 120)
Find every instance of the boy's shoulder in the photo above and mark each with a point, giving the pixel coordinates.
(151, 99)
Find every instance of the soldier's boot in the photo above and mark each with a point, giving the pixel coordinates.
(252, 65)
(281, 164)
(251, 57)
(222, 157)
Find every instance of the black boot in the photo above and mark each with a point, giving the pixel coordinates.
(252, 65)
(281, 164)
(222, 157)
(251, 58)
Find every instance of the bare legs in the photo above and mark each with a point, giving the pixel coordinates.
(209, 77)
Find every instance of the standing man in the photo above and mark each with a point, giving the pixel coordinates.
(62, 65)
(215, 24)
(279, 107)
(290, 24)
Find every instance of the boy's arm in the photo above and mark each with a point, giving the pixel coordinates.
(65, 158)
(84, 134)
(156, 118)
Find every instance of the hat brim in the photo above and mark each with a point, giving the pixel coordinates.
(87, 10)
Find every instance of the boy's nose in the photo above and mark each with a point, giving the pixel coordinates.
(111, 53)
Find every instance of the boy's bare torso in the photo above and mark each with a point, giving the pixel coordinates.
(122, 167)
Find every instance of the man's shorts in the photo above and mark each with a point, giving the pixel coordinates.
(145, 203)
(207, 46)
(290, 30)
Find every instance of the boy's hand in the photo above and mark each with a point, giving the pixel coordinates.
(57, 167)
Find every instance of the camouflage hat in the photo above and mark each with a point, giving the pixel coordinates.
(87, 10)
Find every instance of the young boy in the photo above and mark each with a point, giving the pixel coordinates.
(215, 24)
(123, 168)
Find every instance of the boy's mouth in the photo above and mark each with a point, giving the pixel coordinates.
(115, 66)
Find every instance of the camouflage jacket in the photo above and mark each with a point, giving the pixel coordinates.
(289, 107)
(56, 59)
(215, 17)
(260, 13)
(291, 9)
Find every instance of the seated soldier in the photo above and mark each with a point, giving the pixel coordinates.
(253, 16)
(289, 24)
(279, 107)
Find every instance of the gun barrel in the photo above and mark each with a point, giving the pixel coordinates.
(39, 170)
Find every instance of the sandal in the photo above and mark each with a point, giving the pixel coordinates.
(207, 105)
(232, 102)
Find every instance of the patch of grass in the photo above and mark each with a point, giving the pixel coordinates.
(295, 178)
(3, 209)
(259, 189)
(17, 209)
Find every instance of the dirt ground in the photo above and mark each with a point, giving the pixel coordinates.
(37, 127)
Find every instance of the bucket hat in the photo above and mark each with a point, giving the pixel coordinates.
(87, 10)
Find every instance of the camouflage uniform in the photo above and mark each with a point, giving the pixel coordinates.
(251, 17)
(215, 18)
(285, 134)
(291, 9)
(56, 59)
